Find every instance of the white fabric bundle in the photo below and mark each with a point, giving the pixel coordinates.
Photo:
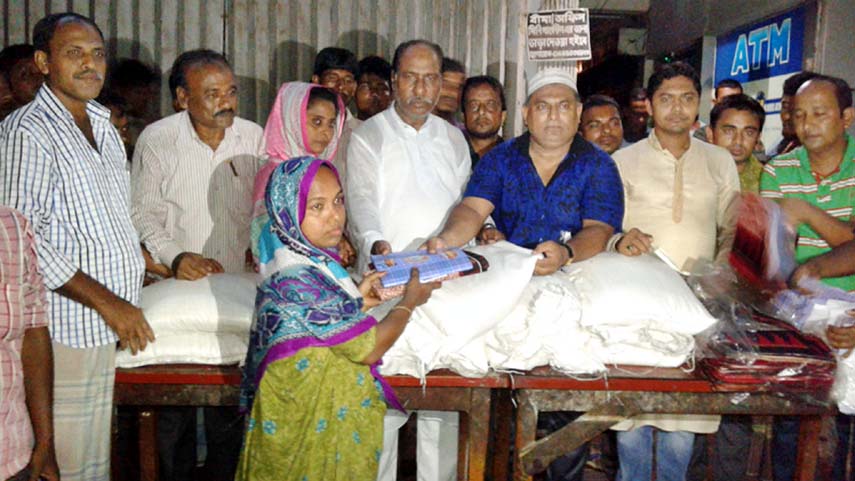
(206, 321)
(459, 314)
(607, 310)
(621, 290)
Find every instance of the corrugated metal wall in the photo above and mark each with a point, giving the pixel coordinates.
(270, 42)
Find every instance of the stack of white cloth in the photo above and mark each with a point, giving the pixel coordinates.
(606, 310)
(206, 321)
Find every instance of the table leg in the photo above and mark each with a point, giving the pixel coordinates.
(149, 469)
(817, 442)
(502, 417)
(464, 438)
(479, 433)
(526, 426)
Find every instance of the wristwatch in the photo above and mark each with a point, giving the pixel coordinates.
(569, 253)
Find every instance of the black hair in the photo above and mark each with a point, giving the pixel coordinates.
(728, 83)
(46, 27)
(110, 99)
(600, 100)
(402, 49)
(480, 80)
(130, 72)
(793, 82)
(637, 93)
(738, 102)
(191, 58)
(322, 93)
(374, 65)
(335, 58)
(11, 55)
(451, 65)
(669, 71)
(842, 90)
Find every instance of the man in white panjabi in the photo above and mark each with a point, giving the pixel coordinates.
(406, 170)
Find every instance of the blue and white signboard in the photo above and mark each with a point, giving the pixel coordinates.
(767, 49)
(761, 56)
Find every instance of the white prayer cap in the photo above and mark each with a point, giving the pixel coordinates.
(550, 76)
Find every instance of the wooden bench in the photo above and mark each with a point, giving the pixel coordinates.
(630, 391)
(194, 385)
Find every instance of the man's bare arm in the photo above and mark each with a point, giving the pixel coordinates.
(463, 223)
(126, 320)
(591, 240)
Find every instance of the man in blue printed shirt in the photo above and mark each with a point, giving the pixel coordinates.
(550, 190)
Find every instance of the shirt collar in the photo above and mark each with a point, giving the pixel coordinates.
(189, 132)
(653, 140)
(579, 145)
(97, 113)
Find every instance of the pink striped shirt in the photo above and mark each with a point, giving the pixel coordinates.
(22, 306)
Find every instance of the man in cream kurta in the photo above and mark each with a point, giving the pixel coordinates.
(679, 197)
(406, 171)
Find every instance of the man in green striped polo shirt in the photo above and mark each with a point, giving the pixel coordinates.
(816, 182)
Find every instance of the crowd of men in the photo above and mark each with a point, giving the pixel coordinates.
(107, 194)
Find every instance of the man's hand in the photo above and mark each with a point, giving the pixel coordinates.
(555, 257)
(366, 288)
(192, 266)
(434, 244)
(381, 248)
(841, 337)
(635, 243)
(128, 322)
(43, 463)
(490, 235)
(346, 252)
(808, 270)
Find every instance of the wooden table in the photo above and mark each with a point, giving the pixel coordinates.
(195, 385)
(630, 391)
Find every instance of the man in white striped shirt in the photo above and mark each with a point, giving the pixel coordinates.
(62, 165)
(193, 175)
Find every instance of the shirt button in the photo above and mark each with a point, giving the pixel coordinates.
(543, 216)
(541, 239)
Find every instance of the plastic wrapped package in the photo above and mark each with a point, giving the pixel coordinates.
(749, 348)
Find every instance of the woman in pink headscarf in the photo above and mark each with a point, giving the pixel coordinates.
(306, 120)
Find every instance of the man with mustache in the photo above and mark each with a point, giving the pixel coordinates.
(601, 123)
(680, 196)
(62, 165)
(193, 175)
(484, 113)
(549, 190)
(406, 169)
(815, 185)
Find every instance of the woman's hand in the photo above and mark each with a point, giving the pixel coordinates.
(417, 293)
(366, 288)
